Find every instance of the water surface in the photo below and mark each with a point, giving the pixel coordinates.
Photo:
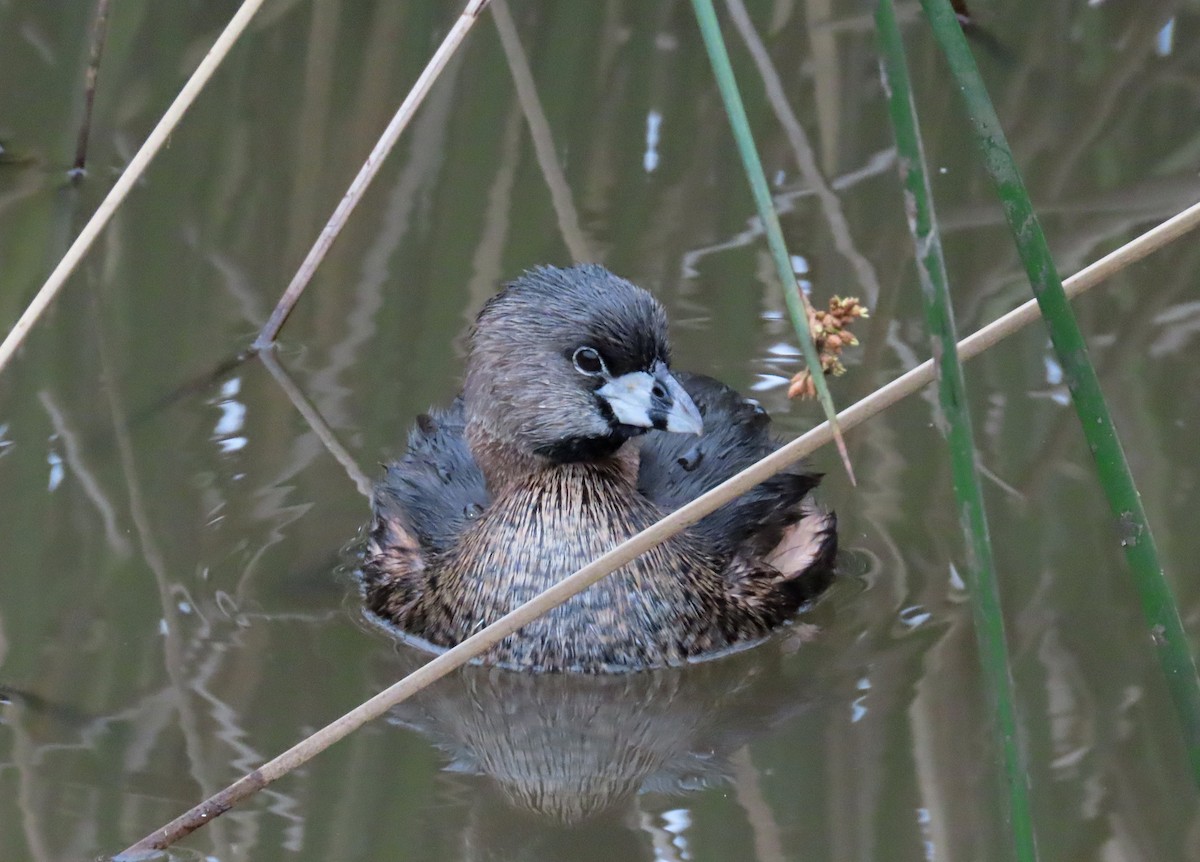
(174, 607)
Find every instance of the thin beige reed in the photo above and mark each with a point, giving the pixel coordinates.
(129, 177)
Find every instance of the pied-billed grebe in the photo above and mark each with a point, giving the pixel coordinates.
(570, 436)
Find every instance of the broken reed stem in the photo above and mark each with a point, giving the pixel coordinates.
(391, 134)
(99, 32)
(903, 386)
(129, 177)
(955, 425)
(797, 304)
(1159, 606)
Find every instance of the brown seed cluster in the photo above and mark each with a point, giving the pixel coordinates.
(831, 331)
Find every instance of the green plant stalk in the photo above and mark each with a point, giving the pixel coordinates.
(1133, 530)
(718, 56)
(955, 423)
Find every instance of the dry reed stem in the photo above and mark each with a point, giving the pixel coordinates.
(903, 386)
(132, 173)
(99, 32)
(367, 173)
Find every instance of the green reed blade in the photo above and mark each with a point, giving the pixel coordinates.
(956, 422)
(714, 43)
(1133, 530)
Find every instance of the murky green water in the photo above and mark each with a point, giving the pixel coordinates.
(171, 608)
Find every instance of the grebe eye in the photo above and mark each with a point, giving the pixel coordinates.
(587, 361)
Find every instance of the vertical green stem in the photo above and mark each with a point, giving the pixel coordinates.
(956, 423)
(714, 43)
(1133, 530)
